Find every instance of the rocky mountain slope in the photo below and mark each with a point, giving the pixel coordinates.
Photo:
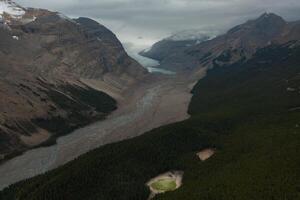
(242, 41)
(45, 59)
(238, 44)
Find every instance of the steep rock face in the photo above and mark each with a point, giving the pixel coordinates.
(44, 57)
(124, 67)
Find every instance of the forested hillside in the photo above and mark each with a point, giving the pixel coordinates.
(248, 112)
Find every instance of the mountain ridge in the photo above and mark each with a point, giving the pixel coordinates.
(237, 44)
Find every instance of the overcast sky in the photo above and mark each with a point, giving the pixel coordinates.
(142, 22)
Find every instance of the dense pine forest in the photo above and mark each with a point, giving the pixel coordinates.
(248, 112)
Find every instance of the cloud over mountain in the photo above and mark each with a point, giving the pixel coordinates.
(156, 19)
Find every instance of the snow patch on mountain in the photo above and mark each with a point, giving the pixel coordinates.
(189, 35)
(11, 8)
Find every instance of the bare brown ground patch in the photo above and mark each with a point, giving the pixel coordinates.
(206, 154)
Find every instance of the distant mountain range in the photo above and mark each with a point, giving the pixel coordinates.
(238, 44)
(45, 58)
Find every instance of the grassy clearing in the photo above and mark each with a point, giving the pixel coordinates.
(164, 185)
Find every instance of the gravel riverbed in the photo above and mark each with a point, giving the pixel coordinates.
(149, 106)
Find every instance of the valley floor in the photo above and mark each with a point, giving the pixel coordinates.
(158, 101)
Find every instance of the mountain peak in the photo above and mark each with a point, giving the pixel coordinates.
(11, 9)
(269, 23)
(270, 16)
(267, 15)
